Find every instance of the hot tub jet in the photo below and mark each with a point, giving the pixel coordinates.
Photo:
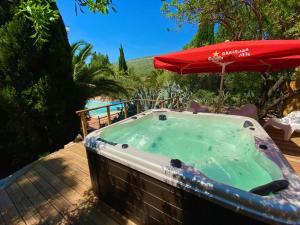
(162, 117)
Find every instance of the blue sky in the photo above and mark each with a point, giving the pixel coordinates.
(138, 25)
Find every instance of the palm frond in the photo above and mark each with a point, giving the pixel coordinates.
(108, 86)
(85, 52)
(76, 45)
(92, 78)
(101, 72)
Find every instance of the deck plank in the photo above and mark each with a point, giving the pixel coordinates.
(40, 202)
(8, 210)
(77, 160)
(74, 199)
(78, 157)
(66, 160)
(57, 185)
(80, 150)
(290, 149)
(58, 201)
(56, 190)
(24, 206)
(69, 177)
(1, 220)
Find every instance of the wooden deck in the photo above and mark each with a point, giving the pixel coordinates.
(290, 149)
(57, 189)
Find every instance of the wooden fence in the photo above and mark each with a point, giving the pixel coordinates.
(83, 113)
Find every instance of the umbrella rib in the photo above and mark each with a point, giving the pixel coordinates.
(182, 68)
(190, 64)
(267, 64)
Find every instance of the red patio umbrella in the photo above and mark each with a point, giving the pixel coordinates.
(258, 56)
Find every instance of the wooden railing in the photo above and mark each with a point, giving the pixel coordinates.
(83, 113)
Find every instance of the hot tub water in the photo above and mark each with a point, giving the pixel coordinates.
(220, 148)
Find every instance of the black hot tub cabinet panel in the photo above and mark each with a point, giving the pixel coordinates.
(147, 200)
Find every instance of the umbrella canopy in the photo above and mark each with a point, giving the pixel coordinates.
(235, 56)
(257, 56)
(266, 65)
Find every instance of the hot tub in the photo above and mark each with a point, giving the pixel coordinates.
(167, 167)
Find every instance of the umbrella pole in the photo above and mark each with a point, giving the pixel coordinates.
(221, 88)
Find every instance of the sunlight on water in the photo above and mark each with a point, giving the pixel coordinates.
(221, 149)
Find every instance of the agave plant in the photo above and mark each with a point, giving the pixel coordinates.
(170, 90)
(149, 94)
(179, 96)
(92, 77)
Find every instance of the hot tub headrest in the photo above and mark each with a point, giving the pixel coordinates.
(271, 187)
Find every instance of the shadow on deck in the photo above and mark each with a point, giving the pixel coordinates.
(57, 189)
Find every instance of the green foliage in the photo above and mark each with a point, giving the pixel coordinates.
(166, 91)
(6, 11)
(37, 94)
(147, 93)
(42, 14)
(175, 91)
(153, 79)
(100, 60)
(204, 36)
(96, 77)
(122, 62)
(246, 87)
(101, 6)
(206, 97)
(241, 20)
(130, 80)
(195, 82)
(282, 19)
(157, 78)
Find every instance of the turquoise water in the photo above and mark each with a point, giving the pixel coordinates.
(220, 149)
(102, 112)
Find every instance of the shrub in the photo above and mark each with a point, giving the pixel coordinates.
(37, 93)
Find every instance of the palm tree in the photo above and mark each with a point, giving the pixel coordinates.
(93, 77)
(153, 79)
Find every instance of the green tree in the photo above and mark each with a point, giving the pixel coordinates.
(94, 78)
(204, 36)
(122, 62)
(130, 81)
(198, 83)
(246, 20)
(42, 14)
(240, 20)
(153, 79)
(37, 94)
(100, 60)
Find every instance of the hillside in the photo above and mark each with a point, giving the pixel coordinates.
(142, 66)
